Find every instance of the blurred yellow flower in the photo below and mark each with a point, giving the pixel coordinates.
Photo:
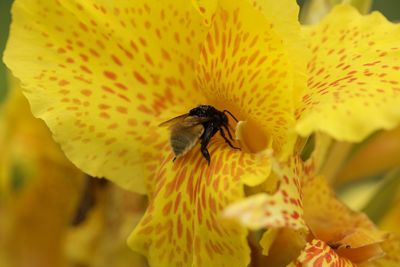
(41, 193)
(39, 189)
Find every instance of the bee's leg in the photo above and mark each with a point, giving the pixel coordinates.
(221, 131)
(205, 153)
(205, 139)
(229, 132)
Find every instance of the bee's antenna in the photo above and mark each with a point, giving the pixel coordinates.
(227, 111)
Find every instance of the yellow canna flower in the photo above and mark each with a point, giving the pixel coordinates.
(352, 83)
(104, 75)
(107, 74)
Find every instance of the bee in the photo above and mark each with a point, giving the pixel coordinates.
(200, 124)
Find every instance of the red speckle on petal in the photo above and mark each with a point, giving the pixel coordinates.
(111, 75)
(139, 77)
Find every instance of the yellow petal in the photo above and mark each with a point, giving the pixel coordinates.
(353, 86)
(283, 208)
(248, 66)
(286, 246)
(284, 16)
(182, 226)
(349, 232)
(268, 239)
(391, 247)
(318, 254)
(104, 75)
(373, 157)
(207, 9)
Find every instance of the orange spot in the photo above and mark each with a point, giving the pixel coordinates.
(148, 59)
(210, 44)
(134, 46)
(141, 96)
(127, 53)
(83, 27)
(116, 60)
(165, 54)
(253, 57)
(139, 77)
(199, 213)
(122, 86)
(146, 230)
(382, 54)
(110, 141)
(104, 115)
(103, 106)
(86, 69)
(99, 43)
(132, 122)
(124, 97)
(84, 57)
(167, 208)
(145, 109)
(142, 41)
(177, 38)
(122, 153)
(158, 33)
(63, 82)
(108, 89)
(109, 74)
(86, 92)
(93, 52)
(64, 92)
(122, 110)
(179, 227)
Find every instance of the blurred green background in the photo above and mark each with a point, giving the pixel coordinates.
(390, 8)
(4, 24)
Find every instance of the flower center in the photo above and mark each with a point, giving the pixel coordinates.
(248, 131)
(251, 136)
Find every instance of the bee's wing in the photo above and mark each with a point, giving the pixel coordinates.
(184, 138)
(173, 121)
(184, 121)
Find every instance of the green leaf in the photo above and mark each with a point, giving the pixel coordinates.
(384, 198)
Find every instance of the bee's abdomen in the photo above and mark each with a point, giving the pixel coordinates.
(179, 146)
(183, 141)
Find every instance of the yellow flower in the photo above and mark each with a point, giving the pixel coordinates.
(104, 75)
(39, 188)
(352, 91)
(52, 214)
(311, 226)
